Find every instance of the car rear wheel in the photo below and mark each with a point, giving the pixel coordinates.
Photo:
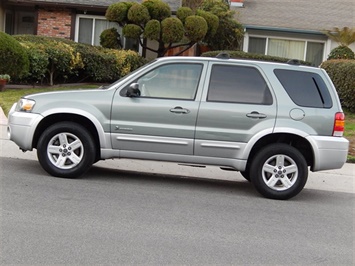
(66, 149)
(279, 171)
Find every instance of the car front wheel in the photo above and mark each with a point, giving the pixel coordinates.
(66, 149)
(279, 171)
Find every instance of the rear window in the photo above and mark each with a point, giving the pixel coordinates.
(304, 88)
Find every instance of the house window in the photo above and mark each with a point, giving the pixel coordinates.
(295, 49)
(89, 29)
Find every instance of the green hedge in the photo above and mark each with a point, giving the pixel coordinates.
(55, 60)
(13, 57)
(342, 73)
(250, 56)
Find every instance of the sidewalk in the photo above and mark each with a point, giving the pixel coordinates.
(340, 180)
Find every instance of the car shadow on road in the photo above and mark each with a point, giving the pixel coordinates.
(241, 186)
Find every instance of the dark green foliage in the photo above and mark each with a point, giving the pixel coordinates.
(110, 38)
(183, 12)
(342, 73)
(13, 57)
(172, 29)
(341, 52)
(132, 31)
(158, 9)
(152, 30)
(212, 22)
(138, 14)
(251, 56)
(159, 25)
(39, 61)
(117, 12)
(80, 61)
(229, 33)
(195, 28)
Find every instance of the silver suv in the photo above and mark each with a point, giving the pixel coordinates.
(269, 121)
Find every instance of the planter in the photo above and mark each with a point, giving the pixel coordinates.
(2, 84)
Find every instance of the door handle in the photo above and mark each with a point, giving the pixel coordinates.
(255, 114)
(179, 110)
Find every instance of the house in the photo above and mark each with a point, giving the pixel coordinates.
(293, 29)
(78, 20)
(285, 28)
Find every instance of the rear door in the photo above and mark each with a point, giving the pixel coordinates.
(236, 105)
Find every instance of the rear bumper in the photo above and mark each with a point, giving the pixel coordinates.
(21, 128)
(329, 152)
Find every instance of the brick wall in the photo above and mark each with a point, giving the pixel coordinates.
(54, 23)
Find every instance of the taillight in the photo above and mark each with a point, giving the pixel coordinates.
(339, 122)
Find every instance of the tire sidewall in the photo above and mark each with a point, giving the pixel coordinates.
(81, 133)
(257, 168)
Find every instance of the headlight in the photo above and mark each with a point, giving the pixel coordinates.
(25, 105)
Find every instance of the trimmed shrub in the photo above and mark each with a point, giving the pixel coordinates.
(172, 30)
(78, 61)
(152, 30)
(183, 12)
(110, 38)
(341, 52)
(195, 28)
(13, 57)
(250, 56)
(158, 9)
(342, 73)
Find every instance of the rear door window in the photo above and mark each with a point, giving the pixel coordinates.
(306, 89)
(238, 84)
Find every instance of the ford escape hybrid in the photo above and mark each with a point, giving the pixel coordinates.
(270, 121)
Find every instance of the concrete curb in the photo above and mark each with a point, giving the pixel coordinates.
(3, 118)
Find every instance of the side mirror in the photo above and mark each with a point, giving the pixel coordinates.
(133, 90)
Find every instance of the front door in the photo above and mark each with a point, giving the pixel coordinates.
(163, 118)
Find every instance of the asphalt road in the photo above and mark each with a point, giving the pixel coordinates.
(114, 216)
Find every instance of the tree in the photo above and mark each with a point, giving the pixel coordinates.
(230, 32)
(153, 20)
(344, 36)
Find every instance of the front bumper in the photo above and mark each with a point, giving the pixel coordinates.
(21, 128)
(329, 152)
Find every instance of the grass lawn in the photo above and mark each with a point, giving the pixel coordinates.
(10, 96)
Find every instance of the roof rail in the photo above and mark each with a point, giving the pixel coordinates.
(295, 62)
(223, 55)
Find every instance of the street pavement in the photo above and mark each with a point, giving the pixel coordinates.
(339, 180)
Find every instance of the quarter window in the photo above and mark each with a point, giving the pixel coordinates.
(238, 84)
(304, 88)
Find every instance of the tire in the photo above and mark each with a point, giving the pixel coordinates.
(279, 171)
(66, 149)
(245, 174)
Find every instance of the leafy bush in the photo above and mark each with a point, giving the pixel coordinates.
(259, 57)
(341, 52)
(13, 57)
(64, 60)
(342, 73)
(110, 38)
